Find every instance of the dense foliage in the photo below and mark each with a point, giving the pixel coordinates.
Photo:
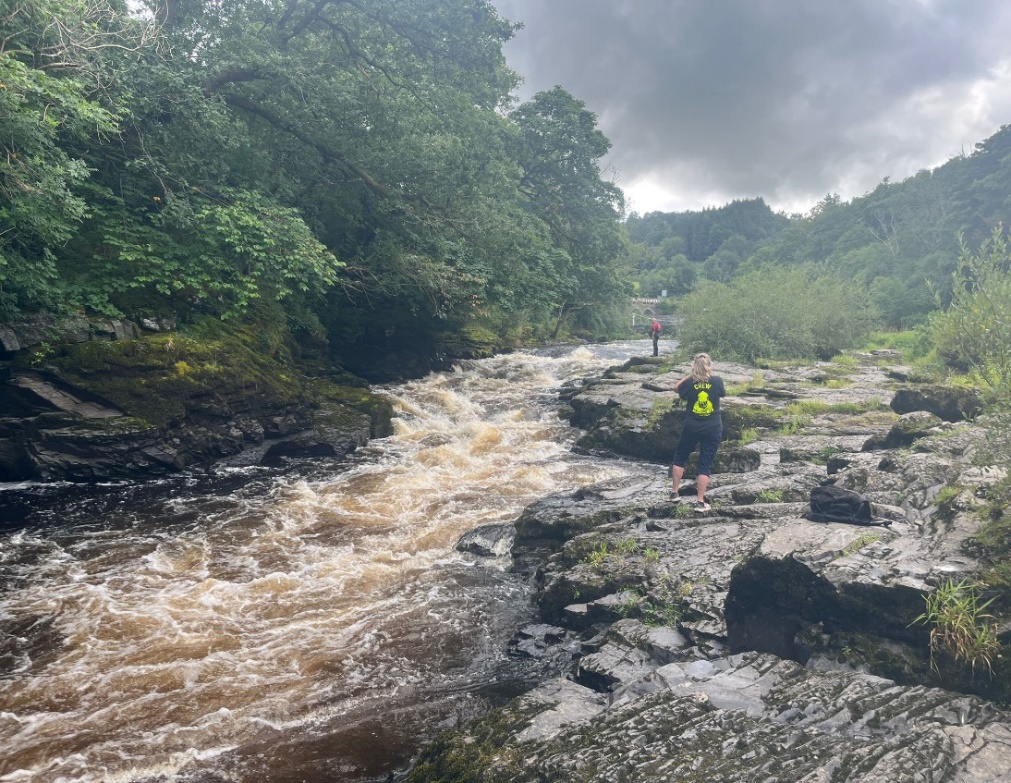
(672, 251)
(354, 171)
(973, 333)
(782, 313)
(900, 241)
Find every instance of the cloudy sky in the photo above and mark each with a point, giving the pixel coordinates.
(705, 101)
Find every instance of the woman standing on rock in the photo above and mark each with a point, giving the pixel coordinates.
(703, 426)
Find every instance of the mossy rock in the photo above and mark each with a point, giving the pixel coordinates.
(738, 418)
(478, 753)
(377, 407)
(160, 378)
(473, 341)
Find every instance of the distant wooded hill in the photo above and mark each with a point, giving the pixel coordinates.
(898, 240)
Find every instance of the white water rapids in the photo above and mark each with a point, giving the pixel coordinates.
(310, 625)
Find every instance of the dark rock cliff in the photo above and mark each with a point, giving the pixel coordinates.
(81, 402)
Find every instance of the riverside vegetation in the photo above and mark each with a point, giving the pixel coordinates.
(357, 182)
(217, 219)
(354, 181)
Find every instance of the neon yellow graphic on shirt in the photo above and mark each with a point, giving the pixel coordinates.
(703, 405)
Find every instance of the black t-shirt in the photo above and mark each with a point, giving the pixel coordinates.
(703, 399)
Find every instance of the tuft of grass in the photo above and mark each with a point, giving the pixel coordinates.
(626, 546)
(660, 409)
(947, 495)
(864, 539)
(597, 556)
(770, 496)
(845, 360)
(823, 456)
(960, 627)
(664, 603)
(800, 413)
(913, 344)
(748, 435)
(757, 379)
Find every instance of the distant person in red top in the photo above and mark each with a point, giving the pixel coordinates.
(654, 332)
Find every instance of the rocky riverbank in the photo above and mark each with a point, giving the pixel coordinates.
(750, 643)
(82, 400)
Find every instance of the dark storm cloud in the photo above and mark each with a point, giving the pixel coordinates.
(710, 100)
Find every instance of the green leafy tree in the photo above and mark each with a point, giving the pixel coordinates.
(974, 331)
(559, 147)
(50, 90)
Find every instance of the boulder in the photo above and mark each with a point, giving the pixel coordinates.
(949, 403)
(488, 540)
(748, 643)
(910, 427)
(749, 717)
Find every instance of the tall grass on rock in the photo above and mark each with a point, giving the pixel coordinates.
(777, 313)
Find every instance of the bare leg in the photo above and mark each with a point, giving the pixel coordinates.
(678, 473)
(701, 484)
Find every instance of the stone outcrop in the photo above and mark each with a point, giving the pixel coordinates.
(748, 643)
(950, 403)
(114, 401)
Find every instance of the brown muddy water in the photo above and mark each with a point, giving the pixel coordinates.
(307, 624)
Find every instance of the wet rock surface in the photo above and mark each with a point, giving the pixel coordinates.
(748, 643)
(745, 718)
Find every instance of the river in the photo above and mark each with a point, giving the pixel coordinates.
(313, 623)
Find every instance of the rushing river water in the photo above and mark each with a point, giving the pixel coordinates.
(314, 623)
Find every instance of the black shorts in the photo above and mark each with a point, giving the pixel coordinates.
(707, 439)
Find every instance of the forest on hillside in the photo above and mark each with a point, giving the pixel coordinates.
(898, 245)
(350, 175)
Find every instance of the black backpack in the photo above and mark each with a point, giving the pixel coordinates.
(835, 504)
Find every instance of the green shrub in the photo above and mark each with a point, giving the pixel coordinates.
(913, 344)
(790, 313)
(974, 332)
(770, 496)
(960, 628)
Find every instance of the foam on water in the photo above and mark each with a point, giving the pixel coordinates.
(152, 641)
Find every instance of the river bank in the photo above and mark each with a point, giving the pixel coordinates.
(90, 401)
(749, 643)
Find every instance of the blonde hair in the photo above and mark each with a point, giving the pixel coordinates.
(702, 367)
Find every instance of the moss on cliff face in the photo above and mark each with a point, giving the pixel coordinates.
(378, 408)
(161, 377)
(212, 369)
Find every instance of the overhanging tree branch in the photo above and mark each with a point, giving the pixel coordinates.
(328, 154)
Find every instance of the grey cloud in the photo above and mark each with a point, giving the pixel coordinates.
(779, 98)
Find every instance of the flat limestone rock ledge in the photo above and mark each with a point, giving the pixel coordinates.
(747, 643)
(629, 414)
(745, 718)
